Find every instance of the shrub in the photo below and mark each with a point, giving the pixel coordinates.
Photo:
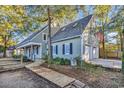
(45, 57)
(67, 62)
(78, 60)
(16, 56)
(61, 61)
(25, 59)
(57, 60)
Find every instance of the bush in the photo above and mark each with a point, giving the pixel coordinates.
(61, 61)
(45, 58)
(78, 60)
(25, 58)
(16, 56)
(67, 62)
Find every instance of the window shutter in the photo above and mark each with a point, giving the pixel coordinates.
(63, 48)
(71, 48)
(56, 49)
(37, 49)
(51, 49)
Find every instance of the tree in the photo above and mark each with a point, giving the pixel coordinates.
(101, 13)
(12, 18)
(118, 24)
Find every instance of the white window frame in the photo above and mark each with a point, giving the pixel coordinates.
(67, 48)
(43, 36)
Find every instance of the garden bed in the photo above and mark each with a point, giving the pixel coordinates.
(93, 76)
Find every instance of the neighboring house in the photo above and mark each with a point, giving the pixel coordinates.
(9, 51)
(76, 40)
(35, 46)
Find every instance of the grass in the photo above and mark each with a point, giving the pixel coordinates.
(92, 69)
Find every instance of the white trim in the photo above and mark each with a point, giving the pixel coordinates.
(28, 44)
(66, 39)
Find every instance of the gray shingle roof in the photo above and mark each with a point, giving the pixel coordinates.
(72, 29)
(30, 37)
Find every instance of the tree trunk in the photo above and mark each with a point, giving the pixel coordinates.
(5, 46)
(123, 52)
(49, 37)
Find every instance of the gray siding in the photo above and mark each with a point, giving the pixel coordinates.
(76, 48)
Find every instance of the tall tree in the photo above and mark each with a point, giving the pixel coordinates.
(101, 13)
(118, 24)
(11, 19)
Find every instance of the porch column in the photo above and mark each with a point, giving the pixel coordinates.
(40, 51)
(24, 51)
(31, 52)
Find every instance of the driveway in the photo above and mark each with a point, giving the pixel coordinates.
(23, 78)
(109, 63)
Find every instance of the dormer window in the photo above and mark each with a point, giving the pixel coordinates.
(63, 29)
(44, 36)
(75, 24)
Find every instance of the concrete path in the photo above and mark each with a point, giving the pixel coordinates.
(109, 63)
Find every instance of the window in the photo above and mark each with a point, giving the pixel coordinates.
(63, 28)
(55, 49)
(67, 48)
(44, 37)
(75, 24)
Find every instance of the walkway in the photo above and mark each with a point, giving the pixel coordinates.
(59, 79)
(10, 64)
(109, 63)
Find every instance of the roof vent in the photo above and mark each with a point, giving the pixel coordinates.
(75, 24)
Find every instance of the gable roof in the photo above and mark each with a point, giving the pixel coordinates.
(72, 29)
(30, 37)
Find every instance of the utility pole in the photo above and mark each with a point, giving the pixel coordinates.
(49, 36)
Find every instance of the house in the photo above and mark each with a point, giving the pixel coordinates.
(76, 40)
(35, 46)
(70, 41)
(9, 51)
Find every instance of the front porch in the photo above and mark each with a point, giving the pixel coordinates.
(108, 63)
(32, 51)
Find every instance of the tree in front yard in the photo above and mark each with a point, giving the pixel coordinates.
(11, 20)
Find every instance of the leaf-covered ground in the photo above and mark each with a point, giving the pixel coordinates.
(93, 76)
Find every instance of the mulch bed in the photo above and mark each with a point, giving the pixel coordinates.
(100, 78)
